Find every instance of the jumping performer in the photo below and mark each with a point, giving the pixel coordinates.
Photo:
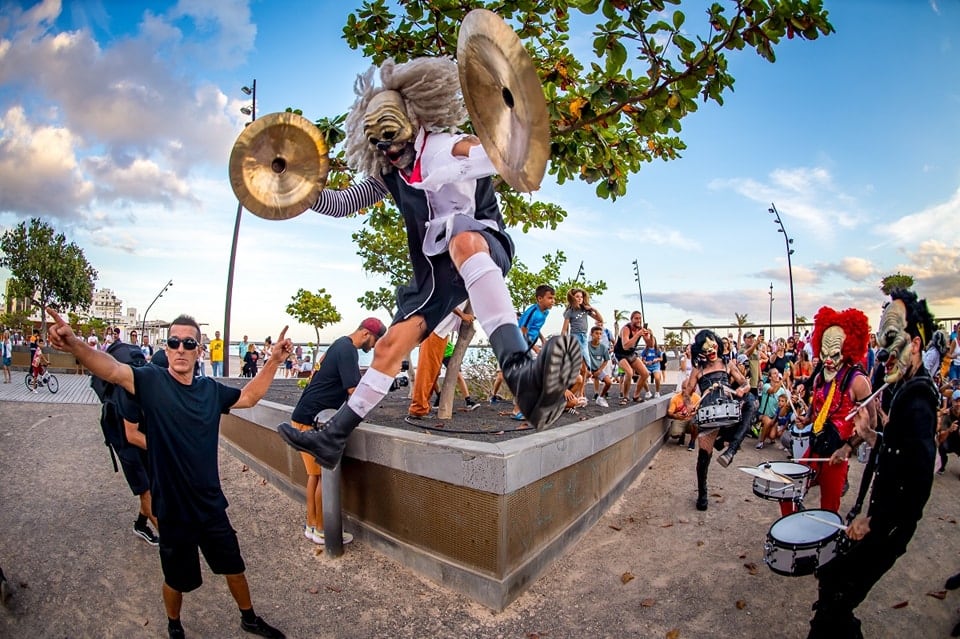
(839, 384)
(712, 376)
(904, 454)
(402, 136)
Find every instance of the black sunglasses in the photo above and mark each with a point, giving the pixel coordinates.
(189, 343)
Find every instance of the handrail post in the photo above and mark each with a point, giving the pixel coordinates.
(332, 514)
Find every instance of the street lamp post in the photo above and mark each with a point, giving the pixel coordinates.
(636, 275)
(770, 322)
(143, 325)
(252, 112)
(580, 273)
(787, 241)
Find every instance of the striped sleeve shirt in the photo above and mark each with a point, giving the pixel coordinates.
(351, 199)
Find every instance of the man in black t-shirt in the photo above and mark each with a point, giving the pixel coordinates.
(331, 384)
(182, 415)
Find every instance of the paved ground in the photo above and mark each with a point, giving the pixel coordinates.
(651, 567)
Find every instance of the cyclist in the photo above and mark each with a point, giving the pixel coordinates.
(38, 366)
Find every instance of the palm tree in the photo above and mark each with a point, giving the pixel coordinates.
(741, 322)
(618, 316)
(686, 330)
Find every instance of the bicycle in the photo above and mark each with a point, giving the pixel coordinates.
(46, 378)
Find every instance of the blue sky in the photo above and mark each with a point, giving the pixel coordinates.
(116, 124)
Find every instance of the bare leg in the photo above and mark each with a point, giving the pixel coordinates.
(314, 501)
(172, 601)
(240, 590)
(146, 508)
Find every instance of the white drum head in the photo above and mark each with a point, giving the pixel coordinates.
(797, 529)
(789, 469)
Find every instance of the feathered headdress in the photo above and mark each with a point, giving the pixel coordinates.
(855, 326)
(430, 88)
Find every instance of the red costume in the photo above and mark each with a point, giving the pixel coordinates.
(840, 339)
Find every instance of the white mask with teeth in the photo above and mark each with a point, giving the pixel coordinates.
(831, 351)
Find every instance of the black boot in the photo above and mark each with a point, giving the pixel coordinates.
(326, 444)
(703, 464)
(747, 417)
(537, 384)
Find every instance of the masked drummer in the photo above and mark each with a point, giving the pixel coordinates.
(402, 136)
(839, 385)
(905, 451)
(712, 377)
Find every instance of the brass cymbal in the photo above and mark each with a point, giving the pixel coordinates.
(279, 165)
(505, 100)
(766, 473)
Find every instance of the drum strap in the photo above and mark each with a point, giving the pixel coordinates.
(866, 479)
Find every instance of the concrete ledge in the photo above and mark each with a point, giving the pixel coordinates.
(482, 518)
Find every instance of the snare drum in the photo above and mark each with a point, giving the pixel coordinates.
(717, 410)
(799, 443)
(797, 545)
(775, 491)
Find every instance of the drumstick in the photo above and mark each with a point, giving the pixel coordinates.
(868, 399)
(824, 521)
(812, 460)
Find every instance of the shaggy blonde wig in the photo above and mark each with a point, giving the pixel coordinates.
(430, 88)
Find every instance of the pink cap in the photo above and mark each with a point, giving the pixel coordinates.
(375, 326)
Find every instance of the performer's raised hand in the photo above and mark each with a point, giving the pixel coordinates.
(59, 333)
(283, 347)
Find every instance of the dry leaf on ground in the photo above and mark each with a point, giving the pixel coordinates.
(741, 604)
(626, 577)
(673, 633)
(938, 594)
(751, 567)
(647, 603)
(902, 604)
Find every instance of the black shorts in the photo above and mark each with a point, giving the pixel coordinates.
(437, 288)
(179, 542)
(133, 461)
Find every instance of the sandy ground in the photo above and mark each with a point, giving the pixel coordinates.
(653, 566)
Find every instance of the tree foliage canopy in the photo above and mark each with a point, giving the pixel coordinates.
(45, 268)
(620, 107)
(893, 282)
(313, 309)
(612, 108)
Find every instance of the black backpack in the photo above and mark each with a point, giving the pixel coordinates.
(111, 423)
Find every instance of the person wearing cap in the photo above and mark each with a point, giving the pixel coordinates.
(948, 436)
(330, 386)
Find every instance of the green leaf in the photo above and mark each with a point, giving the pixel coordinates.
(617, 57)
(589, 7)
(678, 19)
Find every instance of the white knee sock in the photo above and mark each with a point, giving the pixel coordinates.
(488, 292)
(373, 387)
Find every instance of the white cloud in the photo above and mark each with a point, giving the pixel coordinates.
(938, 221)
(38, 169)
(119, 122)
(856, 269)
(805, 196)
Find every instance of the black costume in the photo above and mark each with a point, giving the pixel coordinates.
(339, 370)
(901, 487)
(732, 434)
